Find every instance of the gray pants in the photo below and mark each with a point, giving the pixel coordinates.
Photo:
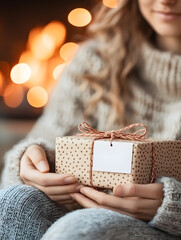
(28, 214)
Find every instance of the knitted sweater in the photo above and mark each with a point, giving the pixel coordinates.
(154, 99)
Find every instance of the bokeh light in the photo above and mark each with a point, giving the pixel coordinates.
(13, 96)
(38, 70)
(20, 73)
(110, 3)
(37, 97)
(58, 71)
(42, 46)
(5, 69)
(1, 83)
(42, 62)
(9, 89)
(68, 50)
(33, 34)
(56, 31)
(79, 17)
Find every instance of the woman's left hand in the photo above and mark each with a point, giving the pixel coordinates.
(140, 201)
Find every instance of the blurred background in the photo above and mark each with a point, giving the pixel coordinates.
(38, 38)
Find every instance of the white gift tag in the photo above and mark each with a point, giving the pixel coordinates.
(116, 158)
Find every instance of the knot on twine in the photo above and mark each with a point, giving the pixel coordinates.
(139, 135)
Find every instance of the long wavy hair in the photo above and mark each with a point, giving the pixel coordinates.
(121, 31)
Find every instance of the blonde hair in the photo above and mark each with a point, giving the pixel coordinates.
(121, 29)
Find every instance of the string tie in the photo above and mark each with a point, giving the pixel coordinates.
(139, 135)
(122, 133)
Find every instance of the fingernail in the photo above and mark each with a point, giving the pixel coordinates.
(82, 190)
(70, 180)
(119, 191)
(77, 188)
(42, 166)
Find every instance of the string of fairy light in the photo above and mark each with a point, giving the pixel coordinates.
(42, 62)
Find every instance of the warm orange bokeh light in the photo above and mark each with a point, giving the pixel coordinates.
(57, 31)
(1, 83)
(33, 34)
(26, 57)
(110, 3)
(68, 50)
(37, 69)
(8, 90)
(13, 95)
(58, 71)
(20, 73)
(42, 46)
(37, 97)
(79, 17)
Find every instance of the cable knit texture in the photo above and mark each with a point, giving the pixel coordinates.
(168, 215)
(102, 224)
(27, 213)
(154, 98)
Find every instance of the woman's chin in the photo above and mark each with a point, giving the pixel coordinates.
(168, 32)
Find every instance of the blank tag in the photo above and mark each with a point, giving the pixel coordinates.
(116, 158)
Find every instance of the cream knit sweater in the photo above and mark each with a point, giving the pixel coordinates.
(154, 99)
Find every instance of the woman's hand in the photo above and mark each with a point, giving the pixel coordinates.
(34, 171)
(140, 201)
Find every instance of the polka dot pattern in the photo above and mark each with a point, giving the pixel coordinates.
(73, 156)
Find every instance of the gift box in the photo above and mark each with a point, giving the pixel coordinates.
(106, 161)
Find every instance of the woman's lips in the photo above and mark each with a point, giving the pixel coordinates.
(167, 16)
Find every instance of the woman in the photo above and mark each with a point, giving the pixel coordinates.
(129, 71)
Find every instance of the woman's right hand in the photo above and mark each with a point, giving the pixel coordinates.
(34, 171)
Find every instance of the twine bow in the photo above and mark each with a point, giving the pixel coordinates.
(139, 135)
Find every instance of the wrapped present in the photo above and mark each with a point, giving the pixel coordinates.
(106, 159)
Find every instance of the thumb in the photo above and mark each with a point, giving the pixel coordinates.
(38, 157)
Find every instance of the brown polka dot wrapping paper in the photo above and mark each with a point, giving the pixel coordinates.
(73, 154)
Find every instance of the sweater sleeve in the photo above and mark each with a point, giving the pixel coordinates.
(168, 216)
(62, 115)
